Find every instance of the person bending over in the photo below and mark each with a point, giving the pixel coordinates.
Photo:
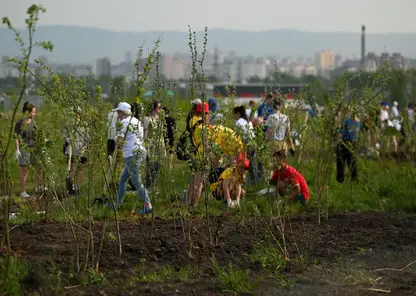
(226, 183)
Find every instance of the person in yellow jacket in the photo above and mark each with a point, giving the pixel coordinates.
(206, 139)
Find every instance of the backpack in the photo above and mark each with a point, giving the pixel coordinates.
(185, 147)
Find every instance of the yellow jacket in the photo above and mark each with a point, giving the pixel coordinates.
(227, 140)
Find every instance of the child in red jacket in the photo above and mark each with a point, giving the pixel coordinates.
(285, 176)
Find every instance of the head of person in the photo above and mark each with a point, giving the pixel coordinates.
(123, 110)
(155, 107)
(258, 121)
(384, 105)
(277, 105)
(239, 112)
(281, 158)
(213, 105)
(29, 110)
(166, 111)
(269, 99)
(395, 104)
(202, 110)
(410, 106)
(251, 103)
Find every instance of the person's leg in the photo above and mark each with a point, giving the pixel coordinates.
(23, 177)
(122, 183)
(281, 187)
(301, 199)
(226, 187)
(195, 189)
(353, 163)
(133, 167)
(340, 162)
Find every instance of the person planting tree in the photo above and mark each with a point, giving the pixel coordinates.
(287, 177)
(207, 140)
(130, 138)
(226, 183)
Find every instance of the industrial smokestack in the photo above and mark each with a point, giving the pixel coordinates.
(362, 47)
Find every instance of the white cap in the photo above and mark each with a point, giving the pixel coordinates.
(395, 103)
(197, 101)
(124, 107)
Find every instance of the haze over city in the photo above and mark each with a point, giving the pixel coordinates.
(164, 15)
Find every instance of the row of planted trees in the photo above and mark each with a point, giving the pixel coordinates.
(71, 106)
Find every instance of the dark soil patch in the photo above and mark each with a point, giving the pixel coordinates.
(340, 254)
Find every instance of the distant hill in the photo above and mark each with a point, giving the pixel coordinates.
(84, 45)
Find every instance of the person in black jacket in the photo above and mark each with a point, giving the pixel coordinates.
(170, 134)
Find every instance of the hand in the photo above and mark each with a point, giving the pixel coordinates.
(17, 154)
(292, 151)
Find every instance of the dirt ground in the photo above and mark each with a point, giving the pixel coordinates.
(341, 255)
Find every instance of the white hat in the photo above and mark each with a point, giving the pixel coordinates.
(197, 101)
(395, 103)
(124, 107)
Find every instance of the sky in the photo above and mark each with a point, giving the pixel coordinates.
(379, 16)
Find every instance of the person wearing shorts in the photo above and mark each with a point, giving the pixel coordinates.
(286, 176)
(25, 133)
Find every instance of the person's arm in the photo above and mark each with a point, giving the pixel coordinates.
(121, 132)
(17, 133)
(289, 135)
(295, 191)
(145, 127)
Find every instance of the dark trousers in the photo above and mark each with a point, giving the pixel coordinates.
(152, 172)
(345, 153)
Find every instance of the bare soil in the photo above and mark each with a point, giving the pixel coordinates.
(340, 255)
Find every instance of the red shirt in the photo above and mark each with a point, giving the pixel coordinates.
(292, 176)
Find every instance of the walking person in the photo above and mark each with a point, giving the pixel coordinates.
(154, 130)
(346, 148)
(130, 138)
(25, 132)
(245, 130)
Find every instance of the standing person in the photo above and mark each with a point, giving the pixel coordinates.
(214, 108)
(251, 112)
(395, 111)
(346, 148)
(278, 130)
(266, 108)
(170, 134)
(286, 176)
(245, 130)
(25, 133)
(154, 130)
(77, 144)
(130, 138)
(111, 130)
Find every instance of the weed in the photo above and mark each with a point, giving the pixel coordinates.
(232, 279)
(12, 273)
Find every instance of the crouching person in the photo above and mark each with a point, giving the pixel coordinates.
(287, 177)
(226, 183)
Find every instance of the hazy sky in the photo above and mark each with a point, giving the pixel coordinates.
(251, 15)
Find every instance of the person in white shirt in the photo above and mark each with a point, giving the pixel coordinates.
(395, 111)
(278, 130)
(130, 137)
(384, 115)
(111, 130)
(243, 126)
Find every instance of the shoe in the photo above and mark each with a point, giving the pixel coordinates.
(24, 194)
(145, 211)
(41, 189)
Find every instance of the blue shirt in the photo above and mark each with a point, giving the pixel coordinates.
(264, 111)
(350, 130)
